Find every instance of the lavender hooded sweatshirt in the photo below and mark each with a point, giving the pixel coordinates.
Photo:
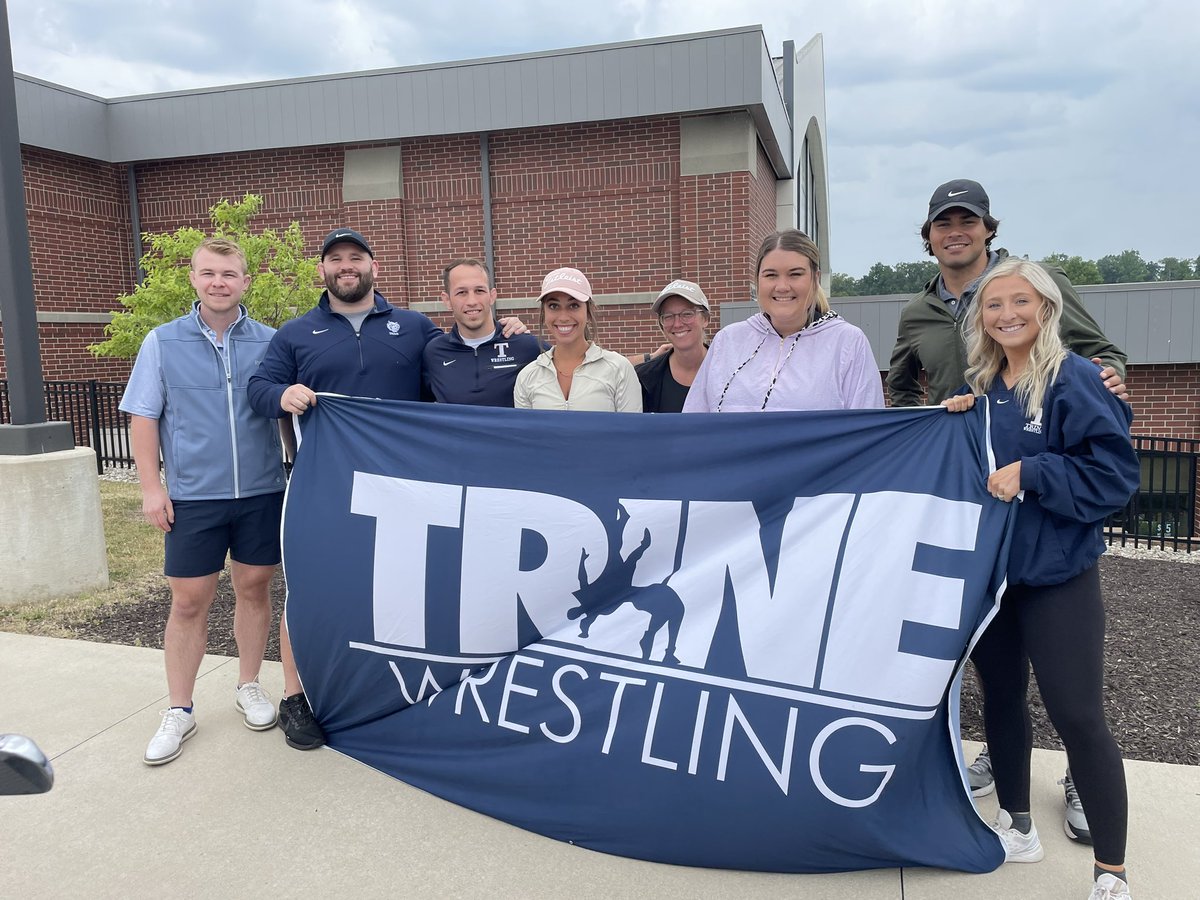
(828, 365)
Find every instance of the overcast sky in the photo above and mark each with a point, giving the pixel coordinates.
(1080, 117)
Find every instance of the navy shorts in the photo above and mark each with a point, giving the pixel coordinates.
(205, 530)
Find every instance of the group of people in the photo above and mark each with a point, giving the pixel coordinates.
(208, 388)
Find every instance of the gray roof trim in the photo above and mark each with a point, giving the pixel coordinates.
(59, 118)
(677, 75)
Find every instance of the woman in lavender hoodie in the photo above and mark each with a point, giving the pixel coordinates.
(794, 354)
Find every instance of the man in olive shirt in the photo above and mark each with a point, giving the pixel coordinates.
(958, 232)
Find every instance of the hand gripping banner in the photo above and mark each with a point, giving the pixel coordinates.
(712, 640)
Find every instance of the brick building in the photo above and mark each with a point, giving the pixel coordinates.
(638, 163)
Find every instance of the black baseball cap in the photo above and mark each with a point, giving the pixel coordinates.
(345, 236)
(963, 193)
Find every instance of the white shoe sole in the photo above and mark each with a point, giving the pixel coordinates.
(163, 760)
(246, 720)
(1027, 856)
(989, 788)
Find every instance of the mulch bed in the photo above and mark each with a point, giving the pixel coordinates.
(1152, 659)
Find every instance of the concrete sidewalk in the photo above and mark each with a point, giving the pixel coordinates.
(239, 814)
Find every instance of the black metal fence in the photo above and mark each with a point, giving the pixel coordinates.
(1163, 513)
(91, 408)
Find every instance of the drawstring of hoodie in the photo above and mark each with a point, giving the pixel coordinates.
(824, 318)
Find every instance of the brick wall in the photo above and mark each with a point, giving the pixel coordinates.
(762, 204)
(79, 231)
(1166, 400)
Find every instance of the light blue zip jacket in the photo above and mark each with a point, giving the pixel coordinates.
(214, 446)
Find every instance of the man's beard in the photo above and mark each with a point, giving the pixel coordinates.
(364, 288)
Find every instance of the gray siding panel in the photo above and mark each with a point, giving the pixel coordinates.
(593, 66)
(686, 74)
(1195, 335)
(1183, 326)
(661, 80)
(716, 83)
(1158, 329)
(878, 320)
(680, 84)
(60, 119)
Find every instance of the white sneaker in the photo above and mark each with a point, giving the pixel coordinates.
(176, 727)
(1110, 887)
(255, 704)
(1018, 847)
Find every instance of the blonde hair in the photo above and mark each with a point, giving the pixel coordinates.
(795, 241)
(985, 357)
(221, 247)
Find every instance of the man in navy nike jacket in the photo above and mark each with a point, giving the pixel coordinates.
(475, 363)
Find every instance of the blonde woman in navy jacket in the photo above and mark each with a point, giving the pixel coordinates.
(1062, 447)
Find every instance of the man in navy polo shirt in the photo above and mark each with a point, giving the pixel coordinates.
(187, 399)
(475, 363)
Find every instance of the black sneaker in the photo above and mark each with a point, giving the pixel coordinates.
(300, 729)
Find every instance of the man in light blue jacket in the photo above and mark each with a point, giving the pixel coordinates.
(224, 483)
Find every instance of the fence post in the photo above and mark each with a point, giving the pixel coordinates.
(94, 415)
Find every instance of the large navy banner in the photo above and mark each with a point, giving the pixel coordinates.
(709, 640)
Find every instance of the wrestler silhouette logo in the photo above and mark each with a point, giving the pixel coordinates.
(614, 587)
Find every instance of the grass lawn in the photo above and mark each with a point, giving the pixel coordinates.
(134, 563)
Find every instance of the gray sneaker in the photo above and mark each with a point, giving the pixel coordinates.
(1075, 824)
(979, 774)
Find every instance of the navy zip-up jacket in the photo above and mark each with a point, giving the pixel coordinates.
(321, 350)
(1078, 466)
(480, 376)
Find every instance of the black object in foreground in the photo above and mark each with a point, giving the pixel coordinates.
(24, 768)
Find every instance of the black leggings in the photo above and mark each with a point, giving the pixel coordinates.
(1060, 629)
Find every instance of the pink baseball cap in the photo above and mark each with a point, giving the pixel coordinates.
(569, 281)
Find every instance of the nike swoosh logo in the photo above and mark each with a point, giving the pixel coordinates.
(998, 402)
(322, 331)
(956, 193)
(450, 363)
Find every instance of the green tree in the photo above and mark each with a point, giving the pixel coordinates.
(283, 283)
(1174, 269)
(1123, 268)
(880, 279)
(841, 285)
(912, 277)
(1078, 269)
